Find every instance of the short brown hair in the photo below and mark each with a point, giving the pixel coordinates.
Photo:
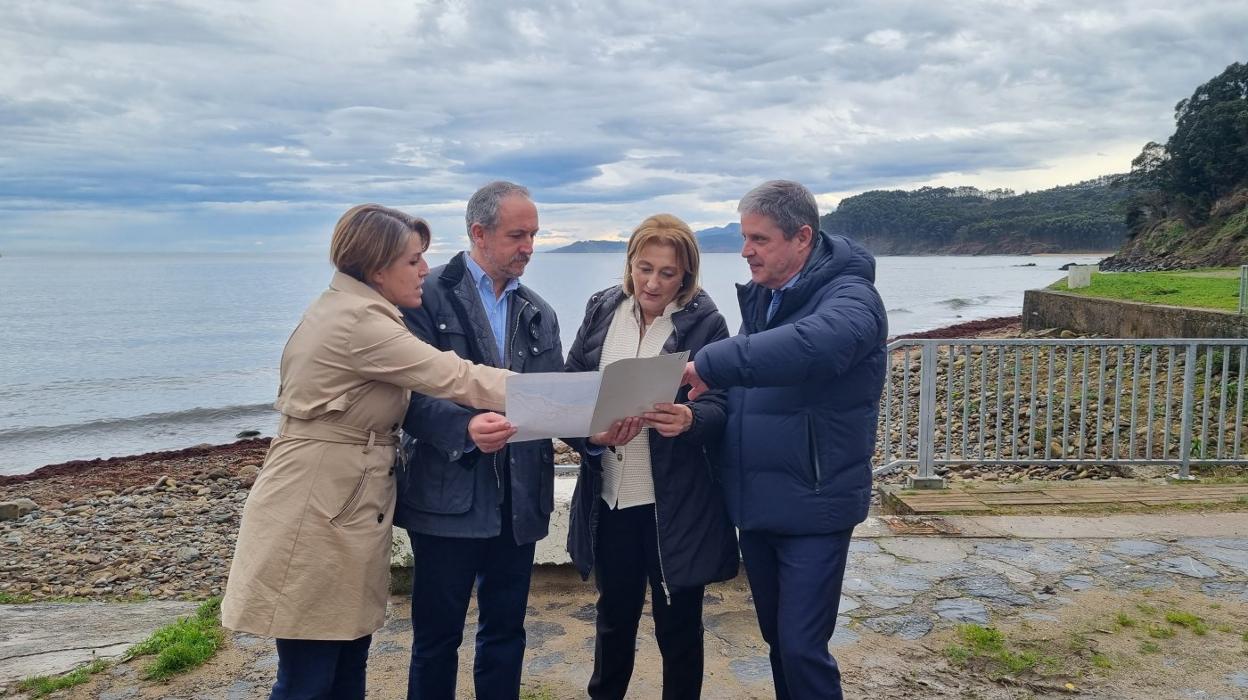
(369, 237)
(667, 230)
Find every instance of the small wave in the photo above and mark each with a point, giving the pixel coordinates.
(189, 416)
(957, 303)
(900, 310)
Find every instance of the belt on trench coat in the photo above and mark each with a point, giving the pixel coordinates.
(334, 432)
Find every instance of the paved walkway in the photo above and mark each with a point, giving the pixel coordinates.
(903, 597)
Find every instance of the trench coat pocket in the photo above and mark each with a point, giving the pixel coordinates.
(362, 499)
(347, 508)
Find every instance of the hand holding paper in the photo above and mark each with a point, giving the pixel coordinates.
(621, 432)
(669, 419)
(580, 404)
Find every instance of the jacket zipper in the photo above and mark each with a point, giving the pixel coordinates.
(515, 329)
(658, 546)
(594, 514)
(813, 445)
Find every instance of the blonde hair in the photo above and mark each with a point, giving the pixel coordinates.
(369, 237)
(667, 230)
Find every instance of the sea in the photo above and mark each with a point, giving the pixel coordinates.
(105, 355)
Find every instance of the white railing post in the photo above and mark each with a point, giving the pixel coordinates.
(1186, 417)
(1243, 289)
(926, 477)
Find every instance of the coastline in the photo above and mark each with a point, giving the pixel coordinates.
(996, 327)
(81, 476)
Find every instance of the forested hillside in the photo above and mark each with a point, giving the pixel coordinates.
(1191, 209)
(1086, 217)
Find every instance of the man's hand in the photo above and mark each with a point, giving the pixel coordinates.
(490, 431)
(669, 419)
(620, 432)
(697, 387)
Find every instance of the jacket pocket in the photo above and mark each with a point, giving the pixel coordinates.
(344, 513)
(436, 485)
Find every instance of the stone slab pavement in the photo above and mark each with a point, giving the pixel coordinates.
(902, 597)
(49, 638)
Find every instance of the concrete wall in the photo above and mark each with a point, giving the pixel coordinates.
(551, 550)
(1043, 309)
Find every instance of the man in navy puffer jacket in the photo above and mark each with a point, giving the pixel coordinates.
(804, 377)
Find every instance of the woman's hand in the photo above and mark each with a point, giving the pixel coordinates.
(669, 419)
(490, 431)
(620, 432)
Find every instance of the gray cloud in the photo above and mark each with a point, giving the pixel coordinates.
(174, 123)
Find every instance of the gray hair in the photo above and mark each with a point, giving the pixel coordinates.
(483, 206)
(789, 204)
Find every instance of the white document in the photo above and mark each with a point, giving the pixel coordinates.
(579, 404)
(551, 404)
(632, 386)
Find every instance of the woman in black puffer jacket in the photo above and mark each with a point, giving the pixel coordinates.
(646, 506)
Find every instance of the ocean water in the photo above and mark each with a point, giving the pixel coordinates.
(109, 355)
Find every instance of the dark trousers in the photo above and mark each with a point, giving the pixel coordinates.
(443, 576)
(796, 584)
(321, 670)
(628, 557)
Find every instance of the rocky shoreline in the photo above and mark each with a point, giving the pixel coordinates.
(160, 525)
(163, 524)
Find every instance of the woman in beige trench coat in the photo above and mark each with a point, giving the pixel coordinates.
(311, 566)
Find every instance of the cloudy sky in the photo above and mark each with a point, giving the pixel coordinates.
(228, 126)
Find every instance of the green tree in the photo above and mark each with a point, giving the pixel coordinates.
(1205, 158)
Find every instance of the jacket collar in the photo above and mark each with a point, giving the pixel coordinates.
(342, 282)
(827, 260)
(455, 272)
(604, 304)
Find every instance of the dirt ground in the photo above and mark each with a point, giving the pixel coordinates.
(1086, 651)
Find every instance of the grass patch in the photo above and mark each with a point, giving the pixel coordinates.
(1148, 647)
(1207, 289)
(1188, 620)
(536, 694)
(11, 599)
(38, 686)
(183, 645)
(987, 646)
(1157, 632)
(1125, 620)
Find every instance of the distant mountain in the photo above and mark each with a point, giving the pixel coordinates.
(719, 239)
(722, 239)
(592, 247)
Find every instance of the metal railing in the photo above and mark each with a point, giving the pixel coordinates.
(1243, 289)
(1059, 402)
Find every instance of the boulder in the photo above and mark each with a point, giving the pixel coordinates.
(247, 475)
(12, 510)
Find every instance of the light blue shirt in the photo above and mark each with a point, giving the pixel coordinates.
(778, 294)
(495, 307)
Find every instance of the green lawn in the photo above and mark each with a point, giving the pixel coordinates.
(1215, 288)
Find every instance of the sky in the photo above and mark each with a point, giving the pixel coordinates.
(230, 126)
